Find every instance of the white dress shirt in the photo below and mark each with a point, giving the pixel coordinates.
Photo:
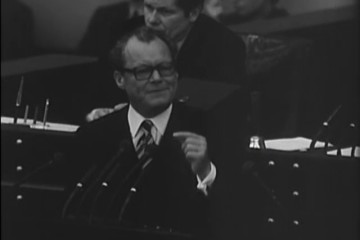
(160, 123)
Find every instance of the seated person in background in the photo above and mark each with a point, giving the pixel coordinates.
(160, 139)
(250, 10)
(207, 50)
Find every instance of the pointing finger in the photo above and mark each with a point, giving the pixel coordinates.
(182, 136)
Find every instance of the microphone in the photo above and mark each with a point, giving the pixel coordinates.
(105, 183)
(18, 99)
(349, 137)
(58, 157)
(143, 163)
(123, 146)
(354, 140)
(324, 129)
(78, 187)
(249, 168)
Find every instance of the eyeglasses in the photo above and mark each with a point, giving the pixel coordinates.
(145, 72)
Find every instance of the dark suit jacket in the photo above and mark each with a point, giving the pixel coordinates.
(167, 195)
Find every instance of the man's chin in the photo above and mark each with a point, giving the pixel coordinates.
(159, 101)
(156, 29)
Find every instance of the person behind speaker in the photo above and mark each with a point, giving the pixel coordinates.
(207, 50)
(173, 192)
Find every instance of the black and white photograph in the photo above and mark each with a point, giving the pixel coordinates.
(180, 119)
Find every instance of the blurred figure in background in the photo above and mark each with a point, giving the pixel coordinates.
(104, 23)
(250, 10)
(213, 8)
(17, 27)
(136, 8)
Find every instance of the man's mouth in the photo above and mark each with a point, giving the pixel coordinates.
(157, 90)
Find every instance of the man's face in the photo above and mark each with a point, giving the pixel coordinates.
(165, 16)
(149, 97)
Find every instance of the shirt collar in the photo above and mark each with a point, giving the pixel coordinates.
(160, 121)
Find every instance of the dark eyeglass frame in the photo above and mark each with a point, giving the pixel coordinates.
(145, 72)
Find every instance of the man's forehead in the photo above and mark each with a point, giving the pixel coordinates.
(145, 51)
(156, 43)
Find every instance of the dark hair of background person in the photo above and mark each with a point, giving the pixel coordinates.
(143, 34)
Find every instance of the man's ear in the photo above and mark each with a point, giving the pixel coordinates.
(119, 79)
(194, 14)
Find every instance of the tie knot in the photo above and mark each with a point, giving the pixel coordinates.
(147, 125)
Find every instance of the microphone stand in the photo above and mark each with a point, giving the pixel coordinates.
(140, 165)
(354, 140)
(324, 130)
(40, 168)
(133, 189)
(348, 137)
(78, 187)
(104, 186)
(248, 167)
(123, 146)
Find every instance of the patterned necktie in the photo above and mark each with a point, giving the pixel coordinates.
(146, 139)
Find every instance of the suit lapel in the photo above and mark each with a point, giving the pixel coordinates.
(117, 131)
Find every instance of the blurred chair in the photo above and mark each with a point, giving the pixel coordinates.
(276, 69)
(16, 30)
(104, 26)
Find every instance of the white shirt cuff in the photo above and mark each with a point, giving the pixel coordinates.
(208, 180)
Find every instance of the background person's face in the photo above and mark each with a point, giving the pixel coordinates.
(165, 16)
(213, 8)
(148, 97)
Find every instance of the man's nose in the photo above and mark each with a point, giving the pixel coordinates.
(152, 18)
(155, 76)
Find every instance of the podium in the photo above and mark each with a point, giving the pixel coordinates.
(63, 79)
(318, 194)
(32, 210)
